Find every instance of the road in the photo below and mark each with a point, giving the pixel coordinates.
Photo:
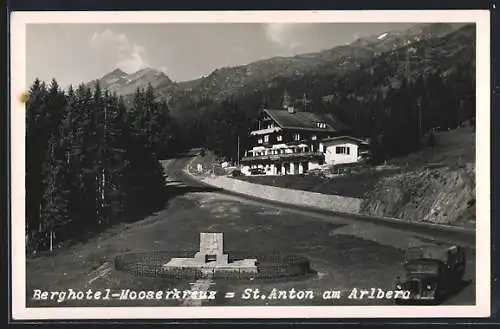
(345, 252)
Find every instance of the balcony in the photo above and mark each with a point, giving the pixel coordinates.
(265, 131)
(296, 156)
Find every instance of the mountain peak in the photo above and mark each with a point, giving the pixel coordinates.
(123, 83)
(149, 74)
(116, 73)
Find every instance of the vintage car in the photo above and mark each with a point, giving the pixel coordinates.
(431, 272)
(257, 171)
(236, 173)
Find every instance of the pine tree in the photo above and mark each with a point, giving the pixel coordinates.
(83, 163)
(90, 162)
(114, 148)
(55, 212)
(55, 206)
(35, 154)
(98, 140)
(157, 121)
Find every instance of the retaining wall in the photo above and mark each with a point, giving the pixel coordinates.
(298, 197)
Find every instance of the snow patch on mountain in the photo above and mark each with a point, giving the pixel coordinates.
(383, 35)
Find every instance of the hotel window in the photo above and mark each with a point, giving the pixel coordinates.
(266, 139)
(321, 124)
(259, 141)
(296, 137)
(314, 137)
(342, 150)
(279, 138)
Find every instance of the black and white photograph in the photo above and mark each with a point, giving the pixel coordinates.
(250, 164)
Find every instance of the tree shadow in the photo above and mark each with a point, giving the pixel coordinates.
(459, 287)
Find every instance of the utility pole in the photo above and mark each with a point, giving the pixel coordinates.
(420, 118)
(238, 155)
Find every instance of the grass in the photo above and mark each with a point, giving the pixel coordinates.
(354, 186)
(453, 149)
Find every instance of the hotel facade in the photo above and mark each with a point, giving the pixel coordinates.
(289, 141)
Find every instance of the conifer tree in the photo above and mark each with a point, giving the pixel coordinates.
(35, 155)
(55, 205)
(89, 161)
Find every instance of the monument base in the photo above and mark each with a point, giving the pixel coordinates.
(211, 259)
(244, 265)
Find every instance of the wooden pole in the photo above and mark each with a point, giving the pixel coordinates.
(420, 118)
(238, 155)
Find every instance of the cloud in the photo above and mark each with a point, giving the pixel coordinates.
(126, 55)
(283, 34)
(163, 69)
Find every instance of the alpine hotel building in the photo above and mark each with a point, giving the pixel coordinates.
(290, 141)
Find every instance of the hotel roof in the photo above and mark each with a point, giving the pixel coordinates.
(306, 121)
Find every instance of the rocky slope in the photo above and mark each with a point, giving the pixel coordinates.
(438, 186)
(442, 196)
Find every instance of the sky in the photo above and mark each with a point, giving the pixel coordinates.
(75, 53)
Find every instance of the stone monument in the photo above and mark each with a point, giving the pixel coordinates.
(210, 259)
(211, 249)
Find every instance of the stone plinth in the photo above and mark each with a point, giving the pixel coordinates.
(211, 258)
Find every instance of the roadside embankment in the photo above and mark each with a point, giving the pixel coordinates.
(309, 199)
(440, 196)
(437, 185)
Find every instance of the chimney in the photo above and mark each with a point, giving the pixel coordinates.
(291, 109)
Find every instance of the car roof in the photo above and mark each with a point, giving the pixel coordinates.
(430, 252)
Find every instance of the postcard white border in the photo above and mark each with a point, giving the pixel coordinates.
(18, 48)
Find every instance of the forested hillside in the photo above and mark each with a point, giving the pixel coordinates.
(391, 87)
(265, 74)
(90, 162)
(394, 98)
